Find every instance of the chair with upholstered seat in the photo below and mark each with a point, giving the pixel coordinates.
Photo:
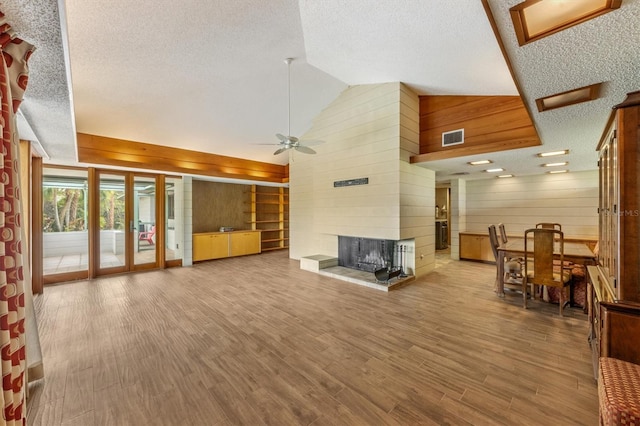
(539, 267)
(512, 268)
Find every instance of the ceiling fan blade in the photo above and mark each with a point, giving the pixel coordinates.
(281, 150)
(283, 138)
(311, 142)
(304, 149)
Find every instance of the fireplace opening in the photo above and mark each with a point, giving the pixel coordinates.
(366, 254)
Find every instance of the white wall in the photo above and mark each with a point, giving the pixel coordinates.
(370, 132)
(570, 199)
(458, 222)
(187, 224)
(417, 190)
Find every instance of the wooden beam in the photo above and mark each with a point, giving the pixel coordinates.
(473, 150)
(123, 153)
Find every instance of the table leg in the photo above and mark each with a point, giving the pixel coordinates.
(500, 277)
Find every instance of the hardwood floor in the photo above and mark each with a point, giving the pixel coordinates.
(255, 340)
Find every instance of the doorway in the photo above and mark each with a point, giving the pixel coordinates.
(127, 215)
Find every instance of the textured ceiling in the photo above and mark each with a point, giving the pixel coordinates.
(210, 76)
(605, 49)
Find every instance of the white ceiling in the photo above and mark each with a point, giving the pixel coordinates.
(209, 75)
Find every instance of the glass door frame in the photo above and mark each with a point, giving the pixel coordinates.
(129, 228)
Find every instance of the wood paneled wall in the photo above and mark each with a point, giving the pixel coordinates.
(490, 123)
(123, 153)
(570, 199)
(217, 204)
(370, 132)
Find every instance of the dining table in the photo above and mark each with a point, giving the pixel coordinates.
(574, 252)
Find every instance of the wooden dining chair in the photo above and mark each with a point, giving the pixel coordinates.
(503, 233)
(549, 225)
(512, 268)
(539, 266)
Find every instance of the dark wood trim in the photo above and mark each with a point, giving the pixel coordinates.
(37, 282)
(64, 277)
(473, 150)
(123, 153)
(594, 93)
(93, 227)
(161, 222)
(605, 132)
(519, 20)
(173, 263)
(496, 32)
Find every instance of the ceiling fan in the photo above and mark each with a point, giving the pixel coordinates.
(292, 142)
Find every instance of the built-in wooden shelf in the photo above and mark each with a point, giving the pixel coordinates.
(268, 221)
(271, 240)
(270, 209)
(275, 248)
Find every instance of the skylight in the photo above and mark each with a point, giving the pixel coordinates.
(535, 19)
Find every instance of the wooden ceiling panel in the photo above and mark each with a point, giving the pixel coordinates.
(123, 153)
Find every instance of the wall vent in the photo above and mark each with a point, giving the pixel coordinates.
(454, 137)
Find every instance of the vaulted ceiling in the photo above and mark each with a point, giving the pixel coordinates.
(209, 75)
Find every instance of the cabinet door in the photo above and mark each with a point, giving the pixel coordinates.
(245, 243)
(486, 253)
(201, 247)
(210, 246)
(620, 331)
(470, 247)
(219, 246)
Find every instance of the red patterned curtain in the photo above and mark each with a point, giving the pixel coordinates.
(13, 82)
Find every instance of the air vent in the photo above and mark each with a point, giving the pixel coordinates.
(454, 137)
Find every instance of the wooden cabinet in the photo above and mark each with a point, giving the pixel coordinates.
(217, 245)
(619, 208)
(244, 243)
(211, 245)
(613, 292)
(620, 330)
(476, 247)
(614, 326)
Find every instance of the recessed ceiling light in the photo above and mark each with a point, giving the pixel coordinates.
(494, 170)
(504, 176)
(564, 163)
(570, 97)
(535, 19)
(554, 172)
(479, 162)
(553, 153)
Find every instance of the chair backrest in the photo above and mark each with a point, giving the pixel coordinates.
(549, 225)
(493, 239)
(543, 240)
(503, 233)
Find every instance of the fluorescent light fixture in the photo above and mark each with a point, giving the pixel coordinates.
(494, 170)
(570, 97)
(553, 153)
(535, 19)
(564, 163)
(504, 176)
(555, 172)
(479, 162)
